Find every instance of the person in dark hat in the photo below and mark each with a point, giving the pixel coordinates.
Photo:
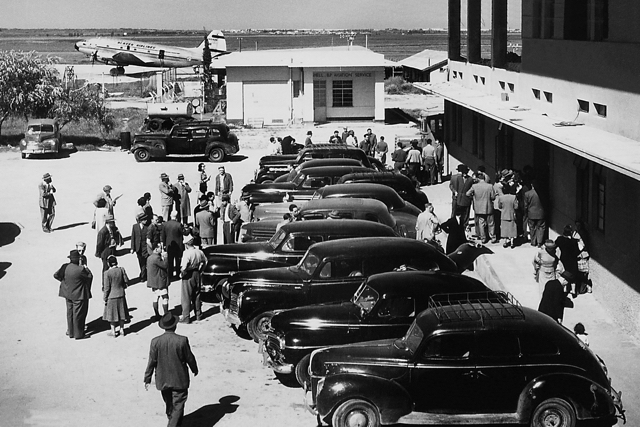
(47, 202)
(109, 238)
(552, 301)
(459, 185)
(139, 244)
(581, 333)
(183, 204)
(206, 223)
(171, 358)
(75, 288)
(106, 196)
(192, 263)
(167, 195)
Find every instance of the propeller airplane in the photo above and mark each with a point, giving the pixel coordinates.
(122, 52)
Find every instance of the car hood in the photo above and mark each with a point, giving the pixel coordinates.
(381, 352)
(230, 250)
(39, 137)
(278, 275)
(316, 316)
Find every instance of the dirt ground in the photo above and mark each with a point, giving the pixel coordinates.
(47, 379)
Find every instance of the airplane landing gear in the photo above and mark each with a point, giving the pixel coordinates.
(118, 71)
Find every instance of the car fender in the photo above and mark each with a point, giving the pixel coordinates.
(391, 399)
(259, 300)
(157, 148)
(589, 399)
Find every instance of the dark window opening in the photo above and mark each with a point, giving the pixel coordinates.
(601, 109)
(343, 93)
(583, 106)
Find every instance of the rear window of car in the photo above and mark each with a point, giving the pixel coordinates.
(449, 347)
(498, 345)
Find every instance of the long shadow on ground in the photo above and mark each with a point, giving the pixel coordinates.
(64, 227)
(209, 415)
(8, 233)
(3, 268)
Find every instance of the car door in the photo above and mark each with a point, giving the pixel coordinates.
(199, 138)
(442, 376)
(335, 280)
(178, 143)
(501, 374)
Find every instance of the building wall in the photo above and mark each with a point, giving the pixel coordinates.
(614, 251)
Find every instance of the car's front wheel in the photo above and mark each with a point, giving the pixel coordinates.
(356, 413)
(302, 371)
(258, 326)
(216, 155)
(141, 155)
(554, 413)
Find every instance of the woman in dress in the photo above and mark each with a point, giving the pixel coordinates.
(116, 311)
(507, 203)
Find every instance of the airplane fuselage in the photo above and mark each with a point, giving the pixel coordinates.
(122, 52)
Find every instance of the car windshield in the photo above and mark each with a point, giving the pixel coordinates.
(365, 298)
(40, 128)
(413, 338)
(308, 264)
(299, 179)
(277, 238)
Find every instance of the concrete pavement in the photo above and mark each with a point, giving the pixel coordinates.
(511, 270)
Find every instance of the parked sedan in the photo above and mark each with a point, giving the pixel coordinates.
(290, 176)
(366, 190)
(329, 271)
(382, 307)
(402, 184)
(285, 248)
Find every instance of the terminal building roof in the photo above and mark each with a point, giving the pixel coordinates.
(341, 56)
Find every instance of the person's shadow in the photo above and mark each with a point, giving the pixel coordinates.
(209, 415)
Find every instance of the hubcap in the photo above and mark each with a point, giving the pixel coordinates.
(357, 419)
(551, 419)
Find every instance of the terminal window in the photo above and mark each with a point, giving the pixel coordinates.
(343, 93)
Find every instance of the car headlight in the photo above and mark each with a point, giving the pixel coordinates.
(50, 142)
(23, 142)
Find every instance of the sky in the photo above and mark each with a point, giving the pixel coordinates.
(238, 14)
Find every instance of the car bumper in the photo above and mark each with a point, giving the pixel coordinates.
(280, 368)
(231, 318)
(309, 403)
(39, 150)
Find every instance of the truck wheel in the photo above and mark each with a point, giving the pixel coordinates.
(216, 155)
(302, 371)
(554, 413)
(141, 155)
(257, 327)
(356, 412)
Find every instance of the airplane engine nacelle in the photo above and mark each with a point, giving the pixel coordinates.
(117, 71)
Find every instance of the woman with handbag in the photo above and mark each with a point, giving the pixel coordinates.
(116, 311)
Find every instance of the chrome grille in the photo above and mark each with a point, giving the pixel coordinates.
(233, 305)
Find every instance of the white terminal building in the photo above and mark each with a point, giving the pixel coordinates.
(281, 87)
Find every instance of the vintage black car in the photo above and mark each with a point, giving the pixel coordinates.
(382, 307)
(212, 140)
(301, 188)
(285, 248)
(346, 209)
(329, 271)
(43, 136)
(403, 185)
(271, 167)
(290, 176)
(365, 190)
(467, 363)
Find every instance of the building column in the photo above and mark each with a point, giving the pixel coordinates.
(474, 17)
(499, 33)
(454, 30)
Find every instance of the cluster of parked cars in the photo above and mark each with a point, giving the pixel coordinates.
(379, 328)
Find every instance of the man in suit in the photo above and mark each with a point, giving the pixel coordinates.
(535, 216)
(157, 279)
(193, 261)
(47, 202)
(75, 288)
(171, 358)
(224, 183)
(172, 241)
(139, 244)
(206, 223)
(483, 196)
(183, 204)
(461, 203)
(230, 216)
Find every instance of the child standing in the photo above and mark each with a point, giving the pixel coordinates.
(581, 333)
(116, 311)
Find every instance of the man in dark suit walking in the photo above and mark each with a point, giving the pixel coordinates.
(75, 288)
(139, 244)
(535, 216)
(171, 357)
(172, 241)
(461, 203)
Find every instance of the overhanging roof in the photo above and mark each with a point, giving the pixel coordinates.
(426, 60)
(342, 56)
(608, 149)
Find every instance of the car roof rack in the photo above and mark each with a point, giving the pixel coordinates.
(474, 306)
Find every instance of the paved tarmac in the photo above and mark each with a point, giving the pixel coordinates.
(511, 270)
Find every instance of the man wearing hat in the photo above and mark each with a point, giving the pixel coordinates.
(459, 185)
(157, 279)
(193, 261)
(230, 216)
(106, 196)
(81, 247)
(206, 223)
(139, 244)
(172, 241)
(108, 240)
(171, 358)
(183, 204)
(75, 288)
(47, 202)
(167, 195)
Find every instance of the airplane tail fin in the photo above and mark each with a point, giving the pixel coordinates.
(217, 43)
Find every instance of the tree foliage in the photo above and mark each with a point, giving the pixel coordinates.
(29, 84)
(87, 103)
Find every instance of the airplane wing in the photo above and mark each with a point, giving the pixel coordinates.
(130, 59)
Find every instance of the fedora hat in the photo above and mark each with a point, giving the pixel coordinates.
(74, 254)
(168, 321)
(164, 175)
(462, 168)
(46, 176)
